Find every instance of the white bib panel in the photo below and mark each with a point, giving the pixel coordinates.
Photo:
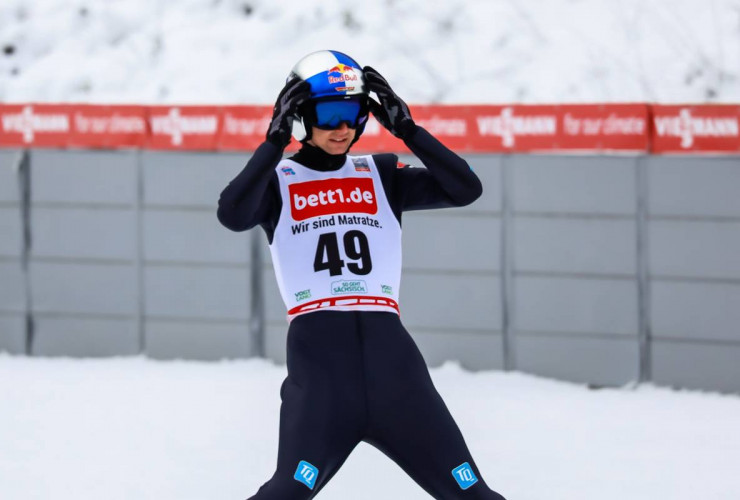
(337, 244)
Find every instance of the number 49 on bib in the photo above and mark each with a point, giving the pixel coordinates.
(356, 248)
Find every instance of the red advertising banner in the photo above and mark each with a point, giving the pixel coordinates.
(243, 128)
(603, 127)
(37, 125)
(376, 139)
(513, 128)
(184, 127)
(108, 126)
(593, 128)
(523, 128)
(686, 129)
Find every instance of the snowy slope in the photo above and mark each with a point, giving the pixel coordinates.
(458, 51)
(136, 428)
(122, 429)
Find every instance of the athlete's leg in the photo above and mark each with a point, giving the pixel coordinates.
(409, 420)
(323, 411)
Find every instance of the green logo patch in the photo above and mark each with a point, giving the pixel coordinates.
(348, 286)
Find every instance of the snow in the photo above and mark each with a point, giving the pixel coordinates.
(124, 428)
(457, 51)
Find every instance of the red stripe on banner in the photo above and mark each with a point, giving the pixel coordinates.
(108, 126)
(35, 125)
(523, 128)
(612, 127)
(243, 128)
(594, 128)
(184, 127)
(686, 129)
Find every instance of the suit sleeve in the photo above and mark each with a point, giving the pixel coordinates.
(251, 198)
(447, 180)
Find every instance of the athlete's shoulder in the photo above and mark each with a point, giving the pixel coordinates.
(389, 165)
(386, 161)
(391, 162)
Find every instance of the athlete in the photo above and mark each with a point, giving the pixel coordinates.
(333, 222)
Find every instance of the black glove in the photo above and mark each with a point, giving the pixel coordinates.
(295, 93)
(392, 112)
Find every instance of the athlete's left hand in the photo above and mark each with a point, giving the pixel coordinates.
(392, 112)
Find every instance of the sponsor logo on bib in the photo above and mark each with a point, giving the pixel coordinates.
(332, 196)
(347, 286)
(361, 164)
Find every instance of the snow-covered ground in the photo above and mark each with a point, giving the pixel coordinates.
(456, 51)
(139, 429)
(132, 428)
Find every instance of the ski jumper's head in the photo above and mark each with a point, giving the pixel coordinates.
(339, 97)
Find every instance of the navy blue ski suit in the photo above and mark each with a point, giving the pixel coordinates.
(359, 376)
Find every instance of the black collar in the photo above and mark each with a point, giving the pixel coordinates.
(317, 159)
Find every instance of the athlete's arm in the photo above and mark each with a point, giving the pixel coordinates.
(448, 180)
(250, 199)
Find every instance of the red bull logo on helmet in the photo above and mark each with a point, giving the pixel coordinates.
(341, 69)
(343, 78)
(344, 72)
(330, 73)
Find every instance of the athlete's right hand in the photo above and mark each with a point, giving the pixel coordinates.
(295, 93)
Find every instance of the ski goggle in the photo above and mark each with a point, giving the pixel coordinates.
(330, 114)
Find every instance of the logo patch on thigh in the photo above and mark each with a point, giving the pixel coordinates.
(306, 474)
(464, 476)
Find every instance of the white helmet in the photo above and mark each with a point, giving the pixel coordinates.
(333, 76)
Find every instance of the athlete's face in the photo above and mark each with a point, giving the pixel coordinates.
(334, 142)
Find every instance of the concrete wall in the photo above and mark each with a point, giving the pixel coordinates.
(694, 261)
(195, 273)
(601, 270)
(574, 264)
(83, 253)
(12, 280)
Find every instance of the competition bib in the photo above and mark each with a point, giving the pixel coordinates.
(337, 244)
